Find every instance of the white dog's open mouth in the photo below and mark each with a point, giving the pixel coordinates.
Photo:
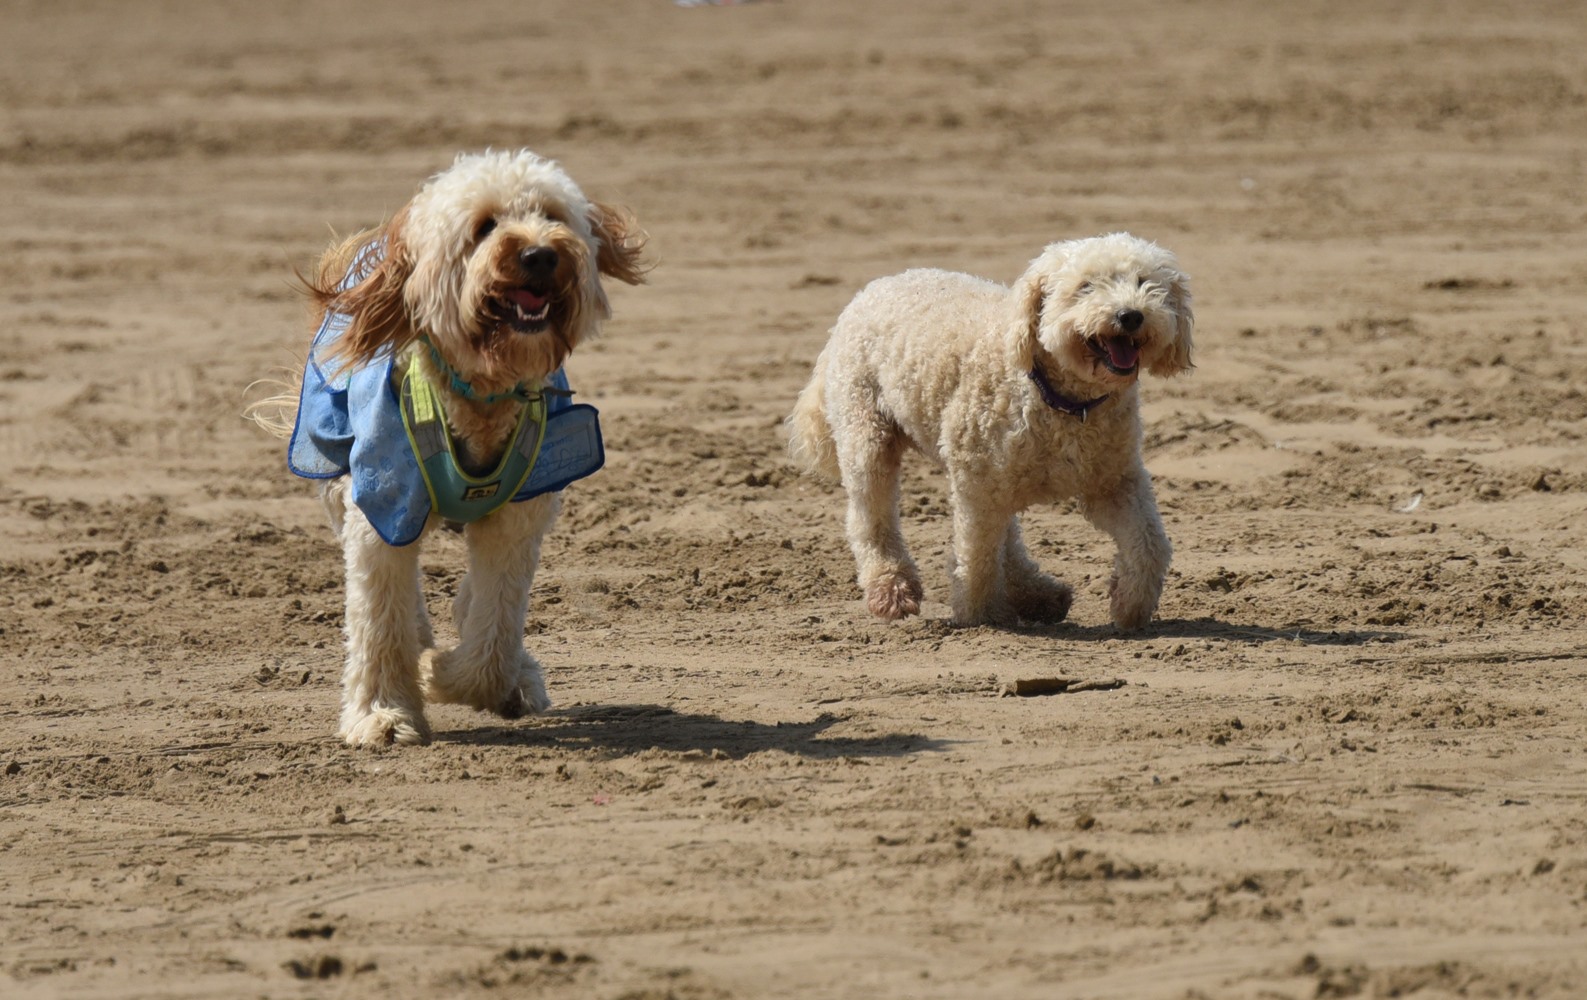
(523, 309)
(1119, 355)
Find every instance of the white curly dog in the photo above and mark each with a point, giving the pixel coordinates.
(1021, 395)
(442, 335)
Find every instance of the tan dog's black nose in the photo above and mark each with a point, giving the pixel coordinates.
(1129, 320)
(538, 263)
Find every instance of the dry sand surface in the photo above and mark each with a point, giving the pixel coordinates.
(1348, 758)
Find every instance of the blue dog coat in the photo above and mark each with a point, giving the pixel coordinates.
(351, 423)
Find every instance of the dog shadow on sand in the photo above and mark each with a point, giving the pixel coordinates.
(622, 729)
(1213, 628)
(628, 729)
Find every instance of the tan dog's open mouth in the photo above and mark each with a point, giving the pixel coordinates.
(1119, 355)
(523, 309)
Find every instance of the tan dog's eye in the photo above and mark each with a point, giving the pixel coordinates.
(1141, 283)
(1084, 289)
(484, 229)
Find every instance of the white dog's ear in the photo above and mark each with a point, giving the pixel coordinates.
(1175, 355)
(1030, 292)
(374, 301)
(621, 251)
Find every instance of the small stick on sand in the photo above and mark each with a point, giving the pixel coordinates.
(1029, 686)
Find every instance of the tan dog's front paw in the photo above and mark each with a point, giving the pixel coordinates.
(375, 728)
(528, 696)
(893, 596)
(437, 675)
(508, 690)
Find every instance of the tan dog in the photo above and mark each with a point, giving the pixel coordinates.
(1021, 395)
(479, 288)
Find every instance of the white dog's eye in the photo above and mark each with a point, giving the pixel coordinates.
(1141, 283)
(484, 229)
(1084, 289)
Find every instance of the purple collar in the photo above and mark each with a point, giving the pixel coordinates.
(1053, 398)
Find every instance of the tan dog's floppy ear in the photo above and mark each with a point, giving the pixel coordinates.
(380, 262)
(1175, 356)
(622, 243)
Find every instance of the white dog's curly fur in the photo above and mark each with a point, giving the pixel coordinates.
(1022, 395)
(465, 265)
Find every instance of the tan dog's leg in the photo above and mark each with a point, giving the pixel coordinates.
(1128, 513)
(1035, 595)
(869, 456)
(382, 702)
(489, 669)
(421, 617)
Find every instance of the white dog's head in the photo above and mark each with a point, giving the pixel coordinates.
(497, 260)
(1101, 308)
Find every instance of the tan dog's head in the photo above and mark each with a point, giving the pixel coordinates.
(1102, 308)
(497, 260)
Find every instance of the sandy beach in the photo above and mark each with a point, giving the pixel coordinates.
(1348, 759)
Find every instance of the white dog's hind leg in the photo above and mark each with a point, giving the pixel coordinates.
(870, 456)
(382, 701)
(1035, 595)
(489, 669)
(1129, 514)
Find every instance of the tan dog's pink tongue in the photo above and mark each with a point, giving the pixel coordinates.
(526, 300)
(1122, 352)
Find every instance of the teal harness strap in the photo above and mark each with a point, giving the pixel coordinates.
(454, 494)
(463, 387)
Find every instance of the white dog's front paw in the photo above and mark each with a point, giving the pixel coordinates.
(893, 595)
(1132, 604)
(1000, 614)
(383, 726)
(510, 690)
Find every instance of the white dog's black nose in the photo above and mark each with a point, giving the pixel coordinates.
(1129, 320)
(538, 262)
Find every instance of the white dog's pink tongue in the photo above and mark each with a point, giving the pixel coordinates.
(528, 301)
(1122, 352)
